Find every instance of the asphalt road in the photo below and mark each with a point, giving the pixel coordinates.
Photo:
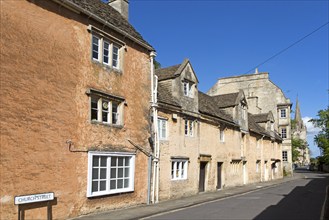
(300, 199)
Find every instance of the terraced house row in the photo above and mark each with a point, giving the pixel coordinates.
(88, 124)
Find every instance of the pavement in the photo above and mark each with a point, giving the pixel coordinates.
(143, 211)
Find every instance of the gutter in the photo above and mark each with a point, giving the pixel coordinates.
(74, 6)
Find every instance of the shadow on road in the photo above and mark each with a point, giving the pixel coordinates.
(293, 205)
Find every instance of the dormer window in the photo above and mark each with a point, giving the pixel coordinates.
(188, 88)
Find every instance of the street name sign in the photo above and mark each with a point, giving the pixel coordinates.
(34, 198)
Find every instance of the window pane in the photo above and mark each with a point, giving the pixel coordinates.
(120, 172)
(120, 161)
(186, 127)
(95, 47)
(103, 161)
(113, 184)
(120, 184)
(103, 173)
(126, 181)
(113, 173)
(104, 116)
(114, 161)
(95, 173)
(127, 160)
(115, 113)
(94, 187)
(95, 161)
(106, 52)
(115, 56)
(102, 186)
(126, 172)
(94, 114)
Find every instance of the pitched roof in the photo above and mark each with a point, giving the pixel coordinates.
(253, 126)
(264, 117)
(208, 105)
(165, 96)
(259, 118)
(167, 73)
(226, 100)
(172, 72)
(107, 15)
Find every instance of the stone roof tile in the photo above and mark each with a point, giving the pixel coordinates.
(226, 100)
(109, 15)
(208, 105)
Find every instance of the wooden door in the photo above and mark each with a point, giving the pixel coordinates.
(202, 176)
(219, 175)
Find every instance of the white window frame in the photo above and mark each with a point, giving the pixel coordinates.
(283, 113)
(188, 128)
(284, 156)
(257, 166)
(179, 169)
(188, 89)
(284, 132)
(222, 135)
(113, 58)
(126, 178)
(162, 131)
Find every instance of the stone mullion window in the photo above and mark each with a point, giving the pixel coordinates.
(106, 51)
(106, 109)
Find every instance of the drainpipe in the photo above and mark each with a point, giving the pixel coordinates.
(157, 142)
(149, 165)
(155, 129)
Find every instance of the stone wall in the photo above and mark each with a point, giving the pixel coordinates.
(46, 70)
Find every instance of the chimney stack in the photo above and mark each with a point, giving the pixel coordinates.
(121, 6)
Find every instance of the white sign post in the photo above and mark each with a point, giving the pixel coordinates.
(42, 197)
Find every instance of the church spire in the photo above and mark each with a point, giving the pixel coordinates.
(298, 116)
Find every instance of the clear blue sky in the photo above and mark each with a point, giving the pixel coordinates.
(227, 38)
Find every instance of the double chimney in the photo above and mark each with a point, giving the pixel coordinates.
(121, 6)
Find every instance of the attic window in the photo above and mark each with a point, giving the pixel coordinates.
(188, 88)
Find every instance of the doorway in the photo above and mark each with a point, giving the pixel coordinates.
(202, 178)
(219, 175)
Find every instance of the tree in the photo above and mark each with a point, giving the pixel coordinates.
(322, 139)
(157, 65)
(298, 146)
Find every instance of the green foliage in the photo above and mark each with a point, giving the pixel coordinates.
(297, 146)
(293, 124)
(322, 139)
(157, 65)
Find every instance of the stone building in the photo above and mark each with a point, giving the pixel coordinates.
(75, 100)
(263, 97)
(299, 131)
(209, 142)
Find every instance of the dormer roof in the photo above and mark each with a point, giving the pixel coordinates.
(229, 100)
(207, 105)
(256, 128)
(173, 71)
(265, 117)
